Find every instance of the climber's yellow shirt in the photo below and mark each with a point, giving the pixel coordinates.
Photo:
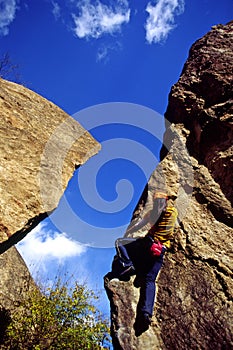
(164, 230)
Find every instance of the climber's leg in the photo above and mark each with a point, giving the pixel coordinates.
(122, 250)
(147, 292)
(126, 267)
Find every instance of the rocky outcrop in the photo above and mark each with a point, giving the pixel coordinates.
(40, 146)
(15, 282)
(202, 102)
(193, 308)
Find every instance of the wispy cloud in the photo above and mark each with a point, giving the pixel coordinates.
(7, 14)
(43, 244)
(97, 19)
(56, 11)
(161, 19)
(105, 50)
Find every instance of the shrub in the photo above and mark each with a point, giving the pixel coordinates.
(58, 317)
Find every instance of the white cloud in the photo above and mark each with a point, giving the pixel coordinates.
(96, 20)
(42, 244)
(104, 51)
(56, 10)
(7, 15)
(161, 19)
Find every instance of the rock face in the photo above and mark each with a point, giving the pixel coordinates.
(14, 284)
(40, 146)
(193, 308)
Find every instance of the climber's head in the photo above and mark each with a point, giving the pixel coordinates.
(159, 195)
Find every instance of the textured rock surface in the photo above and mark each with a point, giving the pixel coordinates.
(15, 281)
(194, 307)
(40, 146)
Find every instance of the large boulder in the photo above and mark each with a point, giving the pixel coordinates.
(193, 308)
(40, 147)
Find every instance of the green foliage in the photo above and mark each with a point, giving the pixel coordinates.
(58, 317)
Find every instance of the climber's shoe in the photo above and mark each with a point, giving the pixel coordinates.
(128, 270)
(146, 319)
(108, 277)
(126, 273)
(138, 281)
(142, 323)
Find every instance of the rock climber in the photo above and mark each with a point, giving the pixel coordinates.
(144, 256)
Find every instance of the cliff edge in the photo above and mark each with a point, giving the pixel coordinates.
(193, 308)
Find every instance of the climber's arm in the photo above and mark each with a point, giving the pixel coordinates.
(139, 224)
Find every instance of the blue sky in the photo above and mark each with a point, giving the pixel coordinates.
(80, 54)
